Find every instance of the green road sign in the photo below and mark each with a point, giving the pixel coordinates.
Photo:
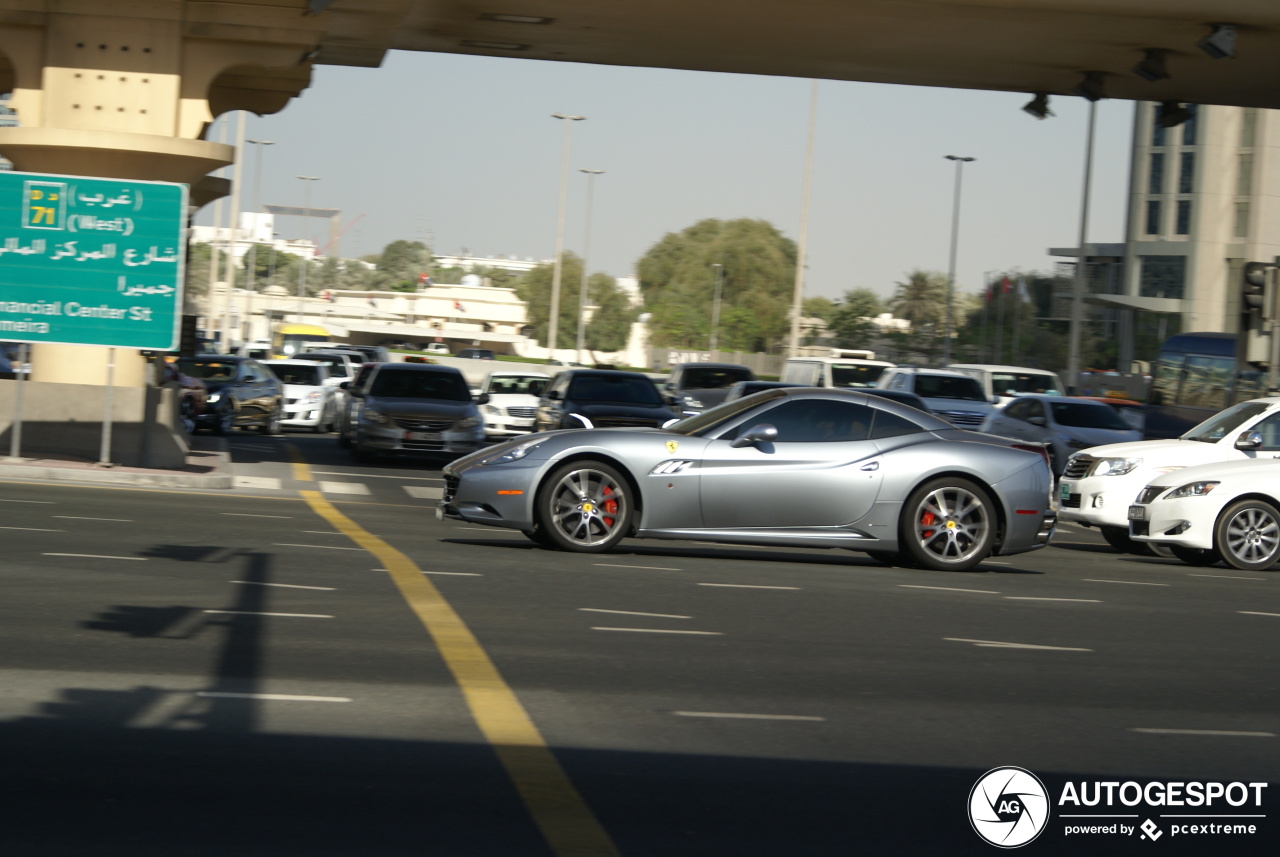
(88, 261)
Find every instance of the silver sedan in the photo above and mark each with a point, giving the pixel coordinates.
(797, 467)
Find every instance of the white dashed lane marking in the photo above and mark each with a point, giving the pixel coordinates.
(424, 492)
(345, 488)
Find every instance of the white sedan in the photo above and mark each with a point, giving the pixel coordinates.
(309, 401)
(1098, 484)
(513, 401)
(1228, 510)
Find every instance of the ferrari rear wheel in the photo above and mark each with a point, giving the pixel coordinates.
(948, 524)
(585, 507)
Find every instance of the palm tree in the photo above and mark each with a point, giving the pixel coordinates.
(921, 300)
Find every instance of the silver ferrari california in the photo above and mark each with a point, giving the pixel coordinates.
(794, 467)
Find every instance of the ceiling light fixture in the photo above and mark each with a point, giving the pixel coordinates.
(1039, 106)
(1091, 86)
(1221, 43)
(1171, 113)
(515, 19)
(1152, 66)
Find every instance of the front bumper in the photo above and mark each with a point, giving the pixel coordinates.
(498, 495)
(397, 440)
(1185, 522)
(1100, 501)
(304, 414)
(507, 426)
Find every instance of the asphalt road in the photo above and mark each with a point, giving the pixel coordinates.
(310, 663)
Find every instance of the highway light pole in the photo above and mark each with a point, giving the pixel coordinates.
(253, 248)
(715, 309)
(951, 271)
(586, 254)
(554, 322)
(306, 212)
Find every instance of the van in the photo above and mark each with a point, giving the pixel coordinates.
(1003, 383)
(838, 372)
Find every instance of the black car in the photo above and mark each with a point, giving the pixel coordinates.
(699, 386)
(475, 354)
(603, 398)
(242, 392)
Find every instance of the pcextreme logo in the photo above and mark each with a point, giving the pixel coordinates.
(1009, 807)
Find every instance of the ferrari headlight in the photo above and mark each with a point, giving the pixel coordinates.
(513, 453)
(1114, 466)
(1191, 489)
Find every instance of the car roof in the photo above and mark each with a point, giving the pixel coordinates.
(418, 367)
(519, 372)
(606, 373)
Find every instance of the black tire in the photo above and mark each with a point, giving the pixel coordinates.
(225, 422)
(585, 507)
(895, 558)
(362, 453)
(272, 425)
(538, 535)
(1248, 535)
(947, 524)
(1196, 556)
(1118, 538)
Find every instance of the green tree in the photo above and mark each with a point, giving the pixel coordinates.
(400, 264)
(819, 307)
(677, 280)
(921, 299)
(610, 326)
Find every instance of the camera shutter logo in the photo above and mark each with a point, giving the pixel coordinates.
(1008, 807)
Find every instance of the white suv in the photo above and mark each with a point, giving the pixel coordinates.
(1099, 484)
(951, 395)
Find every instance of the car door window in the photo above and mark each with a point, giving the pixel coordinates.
(1018, 410)
(818, 421)
(1270, 429)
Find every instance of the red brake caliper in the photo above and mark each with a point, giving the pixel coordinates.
(927, 519)
(610, 507)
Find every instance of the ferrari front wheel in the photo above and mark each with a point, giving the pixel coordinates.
(585, 507)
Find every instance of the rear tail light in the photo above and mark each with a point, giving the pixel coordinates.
(1039, 449)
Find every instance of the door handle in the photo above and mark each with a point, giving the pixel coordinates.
(875, 465)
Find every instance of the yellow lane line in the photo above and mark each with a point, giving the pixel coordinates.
(301, 469)
(559, 811)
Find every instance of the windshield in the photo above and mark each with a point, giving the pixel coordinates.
(1217, 427)
(714, 379)
(1087, 415)
(528, 385)
(305, 376)
(949, 387)
(855, 375)
(337, 365)
(623, 389)
(1021, 383)
(208, 370)
(411, 384)
(709, 419)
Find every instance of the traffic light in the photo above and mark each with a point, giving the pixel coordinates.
(1253, 288)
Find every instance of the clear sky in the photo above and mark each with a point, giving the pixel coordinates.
(462, 153)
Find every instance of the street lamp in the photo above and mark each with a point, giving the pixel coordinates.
(951, 271)
(554, 324)
(586, 253)
(306, 212)
(715, 310)
(253, 248)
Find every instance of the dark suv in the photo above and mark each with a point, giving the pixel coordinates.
(699, 386)
(601, 398)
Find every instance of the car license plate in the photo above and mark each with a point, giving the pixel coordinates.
(1064, 491)
(422, 435)
(1137, 513)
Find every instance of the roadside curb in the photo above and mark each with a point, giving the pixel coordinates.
(208, 463)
